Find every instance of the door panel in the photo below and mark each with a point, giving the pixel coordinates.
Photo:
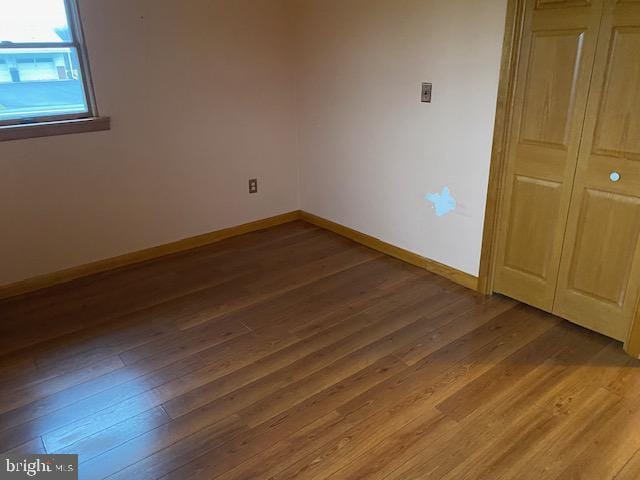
(618, 118)
(608, 229)
(542, 4)
(557, 55)
(599, 277)
(523, 255)
(550, 89)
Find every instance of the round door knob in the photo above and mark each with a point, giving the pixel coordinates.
(615, 177)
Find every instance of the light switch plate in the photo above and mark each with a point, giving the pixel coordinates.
(426, 92)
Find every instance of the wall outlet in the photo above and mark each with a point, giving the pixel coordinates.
(253, 185)
(426, 92)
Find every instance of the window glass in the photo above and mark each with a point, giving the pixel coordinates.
(40, 83)
(34, 21)
(4, 72)
(41, 73)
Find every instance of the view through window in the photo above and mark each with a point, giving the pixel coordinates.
(41, 62)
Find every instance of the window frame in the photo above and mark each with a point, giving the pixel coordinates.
(77, 42)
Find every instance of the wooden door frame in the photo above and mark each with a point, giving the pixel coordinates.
(504, 112)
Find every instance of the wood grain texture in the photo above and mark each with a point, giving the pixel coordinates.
(294, 353)
(457, 276)
(50, 279)
(602, 294)
(599, 278)
(64, 276)
(506, 89)
(551, 90)
(632, 343)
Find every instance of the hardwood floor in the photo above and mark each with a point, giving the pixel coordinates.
(292, 353)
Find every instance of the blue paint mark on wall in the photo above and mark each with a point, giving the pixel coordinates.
(442, 202)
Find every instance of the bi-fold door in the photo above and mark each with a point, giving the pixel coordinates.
(569, 231)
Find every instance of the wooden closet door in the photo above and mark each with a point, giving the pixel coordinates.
(556, 61)
(600, 270)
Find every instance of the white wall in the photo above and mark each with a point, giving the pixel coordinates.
(201, 98)
(202, 95)
(369, 149)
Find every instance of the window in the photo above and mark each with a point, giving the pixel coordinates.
(4, 71)
(43, 63)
